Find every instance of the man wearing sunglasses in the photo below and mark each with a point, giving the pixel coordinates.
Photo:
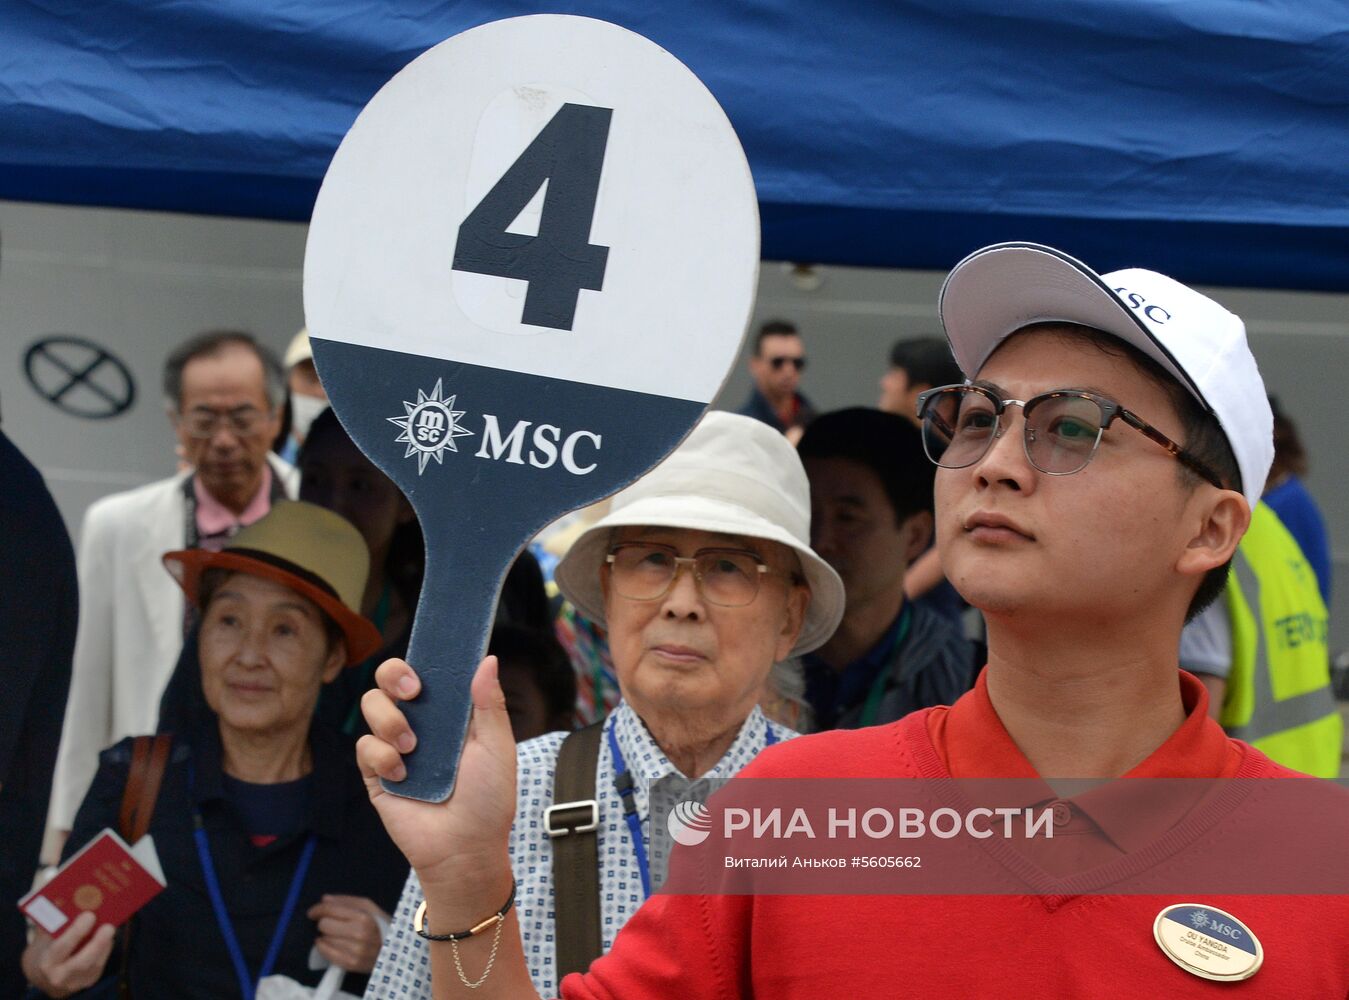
(1094, 480)
(776, 365)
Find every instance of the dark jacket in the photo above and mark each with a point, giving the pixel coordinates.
(934, 665)
(177, 950)
(760, 409)
(38, 612)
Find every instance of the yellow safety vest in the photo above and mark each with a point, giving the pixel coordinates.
(1279, 697)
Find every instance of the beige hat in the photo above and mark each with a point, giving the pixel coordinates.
(305, 547)
(732, 475)
(298, 350)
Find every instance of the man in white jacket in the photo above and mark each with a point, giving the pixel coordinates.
(224, 394)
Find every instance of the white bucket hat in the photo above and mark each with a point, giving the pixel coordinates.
(732, 475)
(996, 291)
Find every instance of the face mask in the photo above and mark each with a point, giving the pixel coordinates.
(303, 412)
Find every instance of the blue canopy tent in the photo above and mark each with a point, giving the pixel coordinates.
(1209, 138)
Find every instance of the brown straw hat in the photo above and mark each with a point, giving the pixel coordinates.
(307, 548)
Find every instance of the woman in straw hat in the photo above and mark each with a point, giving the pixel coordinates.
(692, 651)
(260, 815)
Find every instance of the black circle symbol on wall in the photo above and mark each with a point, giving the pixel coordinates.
(79, 377)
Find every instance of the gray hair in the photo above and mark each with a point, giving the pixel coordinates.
(787, 680)
(211, 344)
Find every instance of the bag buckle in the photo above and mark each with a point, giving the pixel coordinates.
(566, 818)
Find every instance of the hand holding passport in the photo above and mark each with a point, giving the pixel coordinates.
(105, 877)
(98, 889)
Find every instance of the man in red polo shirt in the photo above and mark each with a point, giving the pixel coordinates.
(1095, 478)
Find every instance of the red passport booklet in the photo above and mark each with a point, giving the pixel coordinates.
(105, 876)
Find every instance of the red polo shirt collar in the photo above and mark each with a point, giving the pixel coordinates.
(971, 741)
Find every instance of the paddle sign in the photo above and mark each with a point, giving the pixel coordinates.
(529, 270)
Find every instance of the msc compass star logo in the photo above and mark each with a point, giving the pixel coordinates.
(690, 823)
(1199, 918)
(430, 425)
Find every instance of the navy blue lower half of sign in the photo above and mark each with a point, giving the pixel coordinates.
(487, 458)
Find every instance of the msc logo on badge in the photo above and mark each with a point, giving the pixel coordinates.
(431, 424)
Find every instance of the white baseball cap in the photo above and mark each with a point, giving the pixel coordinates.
(298, 350)
(733, 475)
(996, 291)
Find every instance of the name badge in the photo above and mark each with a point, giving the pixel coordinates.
(1208, 942)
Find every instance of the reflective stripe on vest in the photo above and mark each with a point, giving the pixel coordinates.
(1279, 697)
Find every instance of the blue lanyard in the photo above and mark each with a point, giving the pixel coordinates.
(247, 985)
(627, 792)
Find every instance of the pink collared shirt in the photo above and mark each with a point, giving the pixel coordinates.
(216, 522)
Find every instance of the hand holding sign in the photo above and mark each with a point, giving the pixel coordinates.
(529, 270)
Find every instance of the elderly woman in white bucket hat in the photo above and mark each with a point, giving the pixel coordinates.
(703, 575)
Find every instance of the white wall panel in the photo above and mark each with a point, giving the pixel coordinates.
(139, 282)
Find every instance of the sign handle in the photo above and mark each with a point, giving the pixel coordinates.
(449, 639)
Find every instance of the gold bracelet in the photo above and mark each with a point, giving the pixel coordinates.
(498, 919)
(419, 921)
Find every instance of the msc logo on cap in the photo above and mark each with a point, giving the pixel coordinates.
(1151, 312)
(690, 823)
(431, 424)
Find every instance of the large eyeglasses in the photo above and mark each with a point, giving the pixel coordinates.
(203, 423)
(645, 571)
(1061, 432)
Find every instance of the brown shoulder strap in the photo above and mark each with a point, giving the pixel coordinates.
(572, 822)
(131, 794)
(149, 758)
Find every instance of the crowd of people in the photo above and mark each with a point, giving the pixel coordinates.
(997, 571)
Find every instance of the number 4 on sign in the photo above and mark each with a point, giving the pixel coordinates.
(560, 260)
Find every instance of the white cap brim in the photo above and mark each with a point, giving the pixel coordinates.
(996, 291)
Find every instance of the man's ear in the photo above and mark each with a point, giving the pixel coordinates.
(911, 398)
(798, 599)
(917, 531)
(1222, 519)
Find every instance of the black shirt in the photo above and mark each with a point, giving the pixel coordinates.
(177, 950)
